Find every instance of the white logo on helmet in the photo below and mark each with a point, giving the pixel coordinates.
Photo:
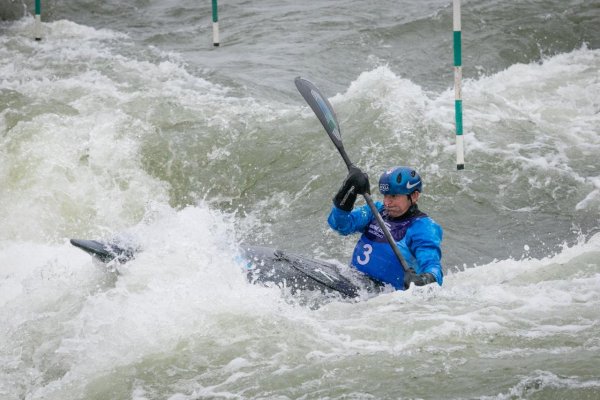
(384, 187)
(409, 186)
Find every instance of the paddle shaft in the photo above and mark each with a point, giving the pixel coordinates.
(324, 112)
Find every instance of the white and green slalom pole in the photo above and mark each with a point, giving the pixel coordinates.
(215, 19)
(460, 148)
(37, 28)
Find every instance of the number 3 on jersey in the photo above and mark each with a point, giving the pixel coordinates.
(367, 250)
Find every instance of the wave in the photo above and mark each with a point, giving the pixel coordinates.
(185, 292)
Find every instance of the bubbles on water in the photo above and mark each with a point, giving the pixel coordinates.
(81, 146)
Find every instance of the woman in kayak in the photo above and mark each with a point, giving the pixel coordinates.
(417, 236)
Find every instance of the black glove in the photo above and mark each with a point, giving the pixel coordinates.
(411, 276)
(357, 182)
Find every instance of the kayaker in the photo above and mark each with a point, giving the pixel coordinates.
(417, 236)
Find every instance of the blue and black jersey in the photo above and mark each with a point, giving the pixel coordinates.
(417, 236)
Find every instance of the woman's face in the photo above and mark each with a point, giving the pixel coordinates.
(398, 204)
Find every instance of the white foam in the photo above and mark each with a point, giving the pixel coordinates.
(71, 163)
(183, 283)
(72, 155)
(534, 123)
(537, 381)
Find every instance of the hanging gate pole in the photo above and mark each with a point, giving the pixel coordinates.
(460, 151)
(37, 29)
(215, 19)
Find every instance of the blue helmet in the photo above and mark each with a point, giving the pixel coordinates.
(400, 180)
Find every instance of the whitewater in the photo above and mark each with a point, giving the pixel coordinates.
(110, 127)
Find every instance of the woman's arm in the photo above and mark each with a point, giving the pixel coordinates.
(348, 222)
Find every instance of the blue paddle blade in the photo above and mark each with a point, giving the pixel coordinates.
(324, 111)
(321, 107)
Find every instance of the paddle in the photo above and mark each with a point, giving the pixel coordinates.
(324, 111)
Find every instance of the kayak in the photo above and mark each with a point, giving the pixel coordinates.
(266, 266)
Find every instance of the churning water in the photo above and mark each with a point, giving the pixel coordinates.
(125, 121)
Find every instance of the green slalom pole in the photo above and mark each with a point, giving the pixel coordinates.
(215, 19)
(37, 29)
(460, 147)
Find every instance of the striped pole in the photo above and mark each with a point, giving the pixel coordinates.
(37, 29)
(215, 18)
(460, 148)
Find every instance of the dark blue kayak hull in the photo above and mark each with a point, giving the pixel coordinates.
(266, 266)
